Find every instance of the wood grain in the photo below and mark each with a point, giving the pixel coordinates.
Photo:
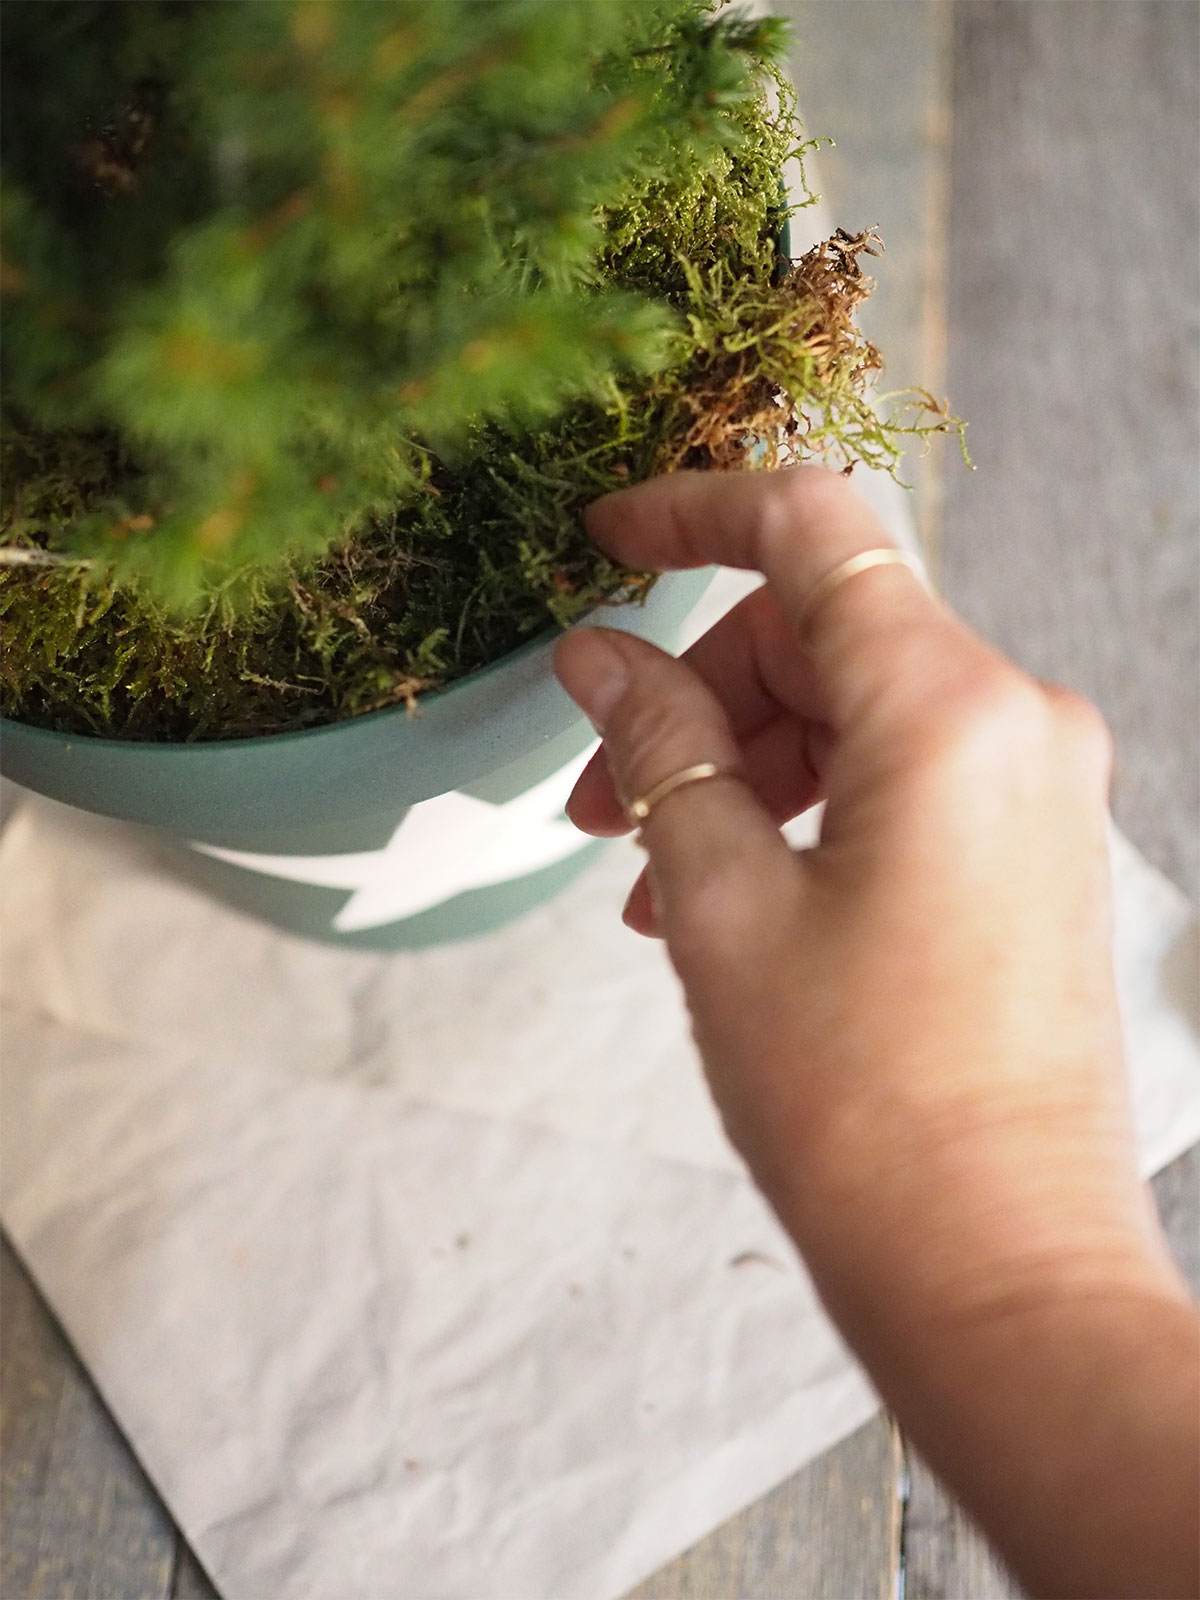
(190, 1581)
(1074, 314)
(1073, 352)
(832, 1532)
(79, 1517)
(945, 1556)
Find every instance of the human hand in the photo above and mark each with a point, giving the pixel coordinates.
(911, 1030)
(941, 961)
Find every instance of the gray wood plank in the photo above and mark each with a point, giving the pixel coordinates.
(945, 1555)
(1075, 355)
(1074, 298)
(190, 1581)
(831, 1532)
(873, 76)
(1177, 1196)
(80, 1520)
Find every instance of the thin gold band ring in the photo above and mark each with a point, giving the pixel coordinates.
(886, 556)
(638, 810)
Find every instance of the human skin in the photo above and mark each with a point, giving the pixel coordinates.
(911, 1030)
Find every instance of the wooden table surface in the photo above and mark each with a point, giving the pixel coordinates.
(1033, 169)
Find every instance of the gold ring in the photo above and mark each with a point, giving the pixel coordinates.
(638, 810)
(887, 556)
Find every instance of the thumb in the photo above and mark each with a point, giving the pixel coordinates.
(719, 862)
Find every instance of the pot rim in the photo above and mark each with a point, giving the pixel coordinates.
(538, 641)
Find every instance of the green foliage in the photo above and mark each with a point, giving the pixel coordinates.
(325, 320)
(274, 244)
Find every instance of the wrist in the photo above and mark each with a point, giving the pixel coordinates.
(909, 1219)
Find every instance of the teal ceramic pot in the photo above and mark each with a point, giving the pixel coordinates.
(385, 831)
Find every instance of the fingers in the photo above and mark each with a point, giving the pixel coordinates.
(776, 760)
(783, 765)
(750, 662)
(795, 526)
(641, 912)
(1083, 733)
(719, 860)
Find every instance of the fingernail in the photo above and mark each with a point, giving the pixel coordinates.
(594, 674)
(653, 905)
(627, 908)
(655, 897)
(573, 799)
(627, 918)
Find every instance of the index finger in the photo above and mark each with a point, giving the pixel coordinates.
(795, 526)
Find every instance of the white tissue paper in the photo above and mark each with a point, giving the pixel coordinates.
(413, 1276)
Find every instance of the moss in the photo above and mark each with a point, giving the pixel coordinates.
(487, 549)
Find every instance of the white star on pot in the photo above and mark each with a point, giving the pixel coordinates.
(442, 848)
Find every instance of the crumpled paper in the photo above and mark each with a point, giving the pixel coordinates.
(413, 1276)
(426, 1275)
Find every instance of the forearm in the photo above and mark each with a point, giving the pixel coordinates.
(1072, 1433)
(1034, 1342)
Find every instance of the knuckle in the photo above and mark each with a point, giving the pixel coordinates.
(792, 495)
(1081, 728)
(986, 724)
(719, 919)
(992, 711)
(1007, 707)
(652, 738)
(995, 719)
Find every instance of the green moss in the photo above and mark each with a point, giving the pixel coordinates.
(486, 549)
